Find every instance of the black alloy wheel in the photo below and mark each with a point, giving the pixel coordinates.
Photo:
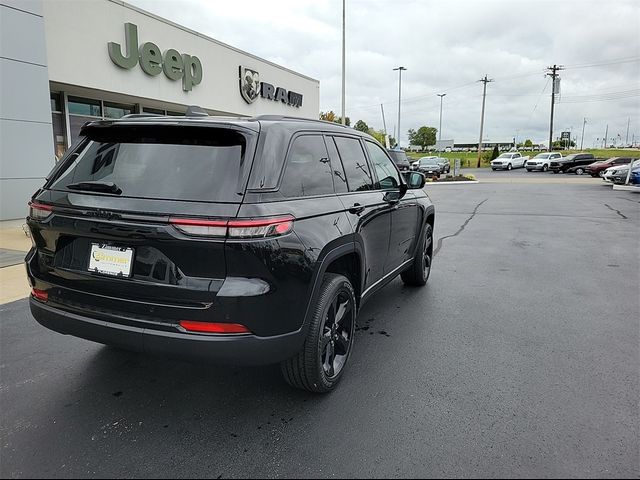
(337, 333)
(418, 272)
(321, 362)
(579, 171)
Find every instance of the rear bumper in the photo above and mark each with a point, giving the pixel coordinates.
(233, 349)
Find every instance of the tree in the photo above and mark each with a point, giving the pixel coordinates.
(424, 136)
(496, 152)
(330, 116)
(528, 143)
(361, 126)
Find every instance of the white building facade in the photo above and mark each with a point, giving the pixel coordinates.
(66, 62)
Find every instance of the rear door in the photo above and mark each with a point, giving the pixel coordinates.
(369, 213)
(135, 223)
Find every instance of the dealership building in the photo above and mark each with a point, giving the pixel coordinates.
(66, 62)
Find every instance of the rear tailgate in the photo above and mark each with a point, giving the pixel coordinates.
(113, 255)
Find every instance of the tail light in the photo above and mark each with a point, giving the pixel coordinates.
(41, 295)
(244, 228)
(209, 327)
(39, 211)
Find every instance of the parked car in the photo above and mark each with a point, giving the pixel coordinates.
(509, 160)
(607, 175)
(400, 158)
(429, 166)
(573, 160)
(634, 179)
(619, 176)
(249, 240)
(414, 165)
(542, 161)
(597, 169)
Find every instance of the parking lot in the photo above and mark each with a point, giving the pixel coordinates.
(519, 359)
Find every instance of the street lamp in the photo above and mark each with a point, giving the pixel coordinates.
(399, 69)
(441, 95)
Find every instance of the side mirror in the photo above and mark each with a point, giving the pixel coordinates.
(415, 180)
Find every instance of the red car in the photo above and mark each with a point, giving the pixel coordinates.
(596, 169)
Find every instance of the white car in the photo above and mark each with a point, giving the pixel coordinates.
(509, 160)
(542, 161)
(607, 176)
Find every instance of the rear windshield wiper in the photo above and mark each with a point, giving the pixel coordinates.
(107, 187)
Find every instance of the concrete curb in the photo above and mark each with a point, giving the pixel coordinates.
(451, 183)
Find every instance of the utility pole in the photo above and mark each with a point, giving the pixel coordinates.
(344, 116)
(484, 80)
(554, 74)
(606, 134)
(399, 69)
(584, 122)
(384, 121)
(626, 142)
(441, 95)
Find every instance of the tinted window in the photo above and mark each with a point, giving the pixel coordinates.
(385, 170)
(162, 162)
(308, 170)
(399, 157)
(355, 164)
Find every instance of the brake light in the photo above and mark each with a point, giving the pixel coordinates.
(39, 211)
(204, 228)
(208, 327)
(41, 295)
(244, 228)
(261, 227)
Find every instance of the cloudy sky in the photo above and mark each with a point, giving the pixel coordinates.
(447, 46)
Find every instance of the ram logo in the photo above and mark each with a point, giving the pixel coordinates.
(249, 84)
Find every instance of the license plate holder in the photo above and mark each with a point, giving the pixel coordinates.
(110, 260)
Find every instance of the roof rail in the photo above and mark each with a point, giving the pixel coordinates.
(195, 111)
(295, 119)
(142, 115)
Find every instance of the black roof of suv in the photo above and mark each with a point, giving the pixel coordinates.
(251, 240)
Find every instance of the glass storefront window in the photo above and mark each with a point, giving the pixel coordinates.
(84, 106)
(175, 114)
(157, 111)
(116, 110)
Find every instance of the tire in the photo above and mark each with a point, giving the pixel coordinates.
(493, 169)
(314, 367)
(556, 171)
(545, 167)
(418, 273)
(509, 167)
(600, 174)
(528, 170)
(579, 171)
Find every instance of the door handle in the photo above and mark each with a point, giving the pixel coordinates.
(357, 209)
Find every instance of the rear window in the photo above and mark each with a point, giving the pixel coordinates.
(163, 162)
(398, 157)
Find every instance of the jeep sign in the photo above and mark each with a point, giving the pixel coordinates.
(174, 65)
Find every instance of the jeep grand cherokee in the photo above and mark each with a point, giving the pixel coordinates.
(250, 241)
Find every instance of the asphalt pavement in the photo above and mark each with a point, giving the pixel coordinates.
(519, 359)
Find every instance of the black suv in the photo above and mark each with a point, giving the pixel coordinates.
(250, 241)
(400, 159)
(570, 161)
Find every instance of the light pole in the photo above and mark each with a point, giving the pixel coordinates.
(344, 118)
(441, 95)
(399, 69)
(584, 122)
